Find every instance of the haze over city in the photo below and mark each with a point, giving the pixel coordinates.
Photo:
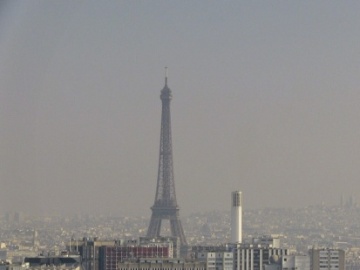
(265, 100)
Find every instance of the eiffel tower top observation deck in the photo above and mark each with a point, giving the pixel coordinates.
(165, 205)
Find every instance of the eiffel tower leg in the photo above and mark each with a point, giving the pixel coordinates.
(154, 227)
(176, 229)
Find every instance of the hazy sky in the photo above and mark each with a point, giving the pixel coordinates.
(265, 100)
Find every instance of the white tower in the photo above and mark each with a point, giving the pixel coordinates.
(236, 217)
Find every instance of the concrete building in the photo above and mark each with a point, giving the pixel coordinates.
(266, 240)
(216, 260)
(160, 264)
(111, 257)
(236, 217)
(294, 262)
(52, 263)
(327, 258)
(89, 251)
(255, 257)
(107, 254)
(3, 254)
(160, 240)
(288, 262)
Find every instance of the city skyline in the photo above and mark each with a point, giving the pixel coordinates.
(265, 102)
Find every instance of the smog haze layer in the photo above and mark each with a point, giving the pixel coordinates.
(265, 100)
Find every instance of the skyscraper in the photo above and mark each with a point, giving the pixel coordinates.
(165, 206)
(236, 217)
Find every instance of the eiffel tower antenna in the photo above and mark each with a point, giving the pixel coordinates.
(166, 75)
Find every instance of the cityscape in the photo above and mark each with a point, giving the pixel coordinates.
(308, 238)
(255, 163)
(321, 225)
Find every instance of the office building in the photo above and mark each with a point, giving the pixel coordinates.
(255, 257)
(216, 260)
(89, 251)
(327, 258)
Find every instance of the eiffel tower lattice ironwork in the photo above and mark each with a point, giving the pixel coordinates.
(165, 206)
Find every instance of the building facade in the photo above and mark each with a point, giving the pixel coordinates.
(89, 251)
(111, 257)
(295, 262)
(255, 257)
(327, 258)
(159, 264)
(216, 260)
(52, 263)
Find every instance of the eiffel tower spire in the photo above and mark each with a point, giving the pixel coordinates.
(165, 206)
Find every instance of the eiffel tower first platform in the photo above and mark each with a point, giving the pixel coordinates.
(165, 206)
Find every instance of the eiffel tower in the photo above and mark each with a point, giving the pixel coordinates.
(165, 206)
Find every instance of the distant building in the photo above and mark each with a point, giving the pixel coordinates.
(236, 217)
(89, 251)
(14, 218)
(266, 240)
(175, 242)
(111, 257)
(198, 249)
(4, 265)
(36, 242)
(327, 258)
(293, 262)
(106, 255)
(52, 263)
(162, 264)
(216, 260)
(3, 254)
(288, 262)
(255, 256)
